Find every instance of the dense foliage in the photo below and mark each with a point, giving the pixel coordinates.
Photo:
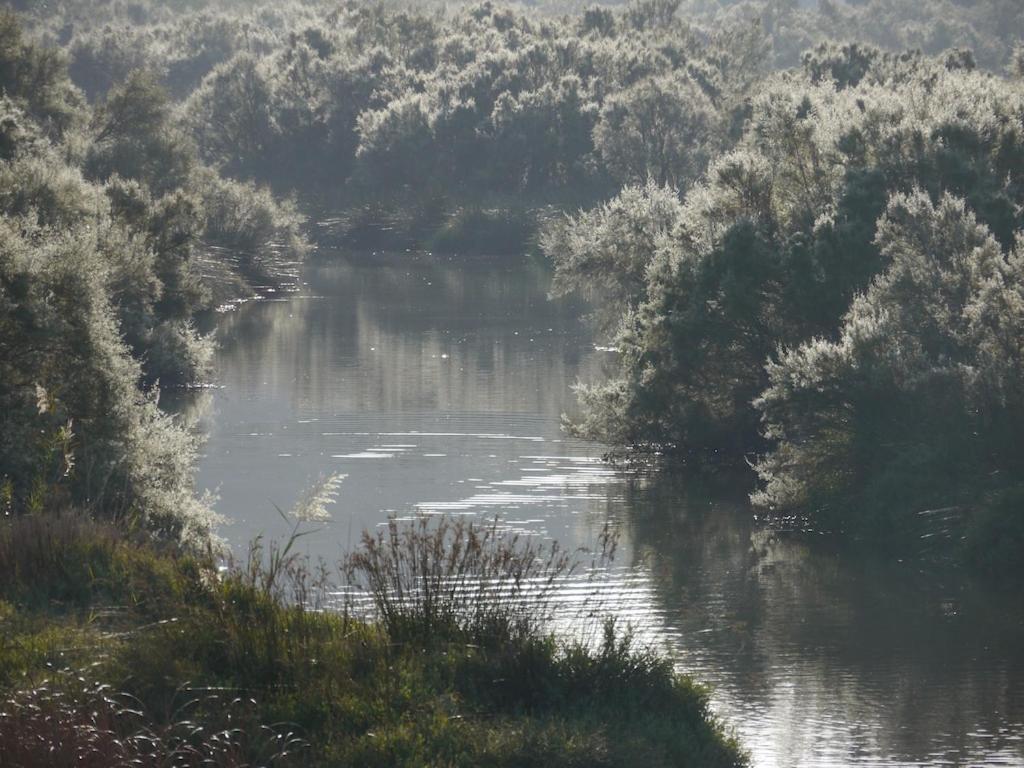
(919, 401)
(481, 111)
(454, 113)
(755, 157)
(839, 294)
(104, 213)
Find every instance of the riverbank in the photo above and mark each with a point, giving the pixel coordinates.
(496, 231)
(115, 649)
(495, 224)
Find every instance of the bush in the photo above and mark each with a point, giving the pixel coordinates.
(69, 370)
(135, 137)
(913, 407)
(247, 219)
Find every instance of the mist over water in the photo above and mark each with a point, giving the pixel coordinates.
(436, 385)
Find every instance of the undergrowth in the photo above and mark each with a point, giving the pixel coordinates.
(156, 659)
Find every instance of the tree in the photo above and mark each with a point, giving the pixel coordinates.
(35, 78)
(75, 426)
(395, 143)
(105, 57)
(660, 129)
(845, 65)
(777, 239)
(604, 254)
(231, 115)
(918, 401)
(135, 137)
(544, 135)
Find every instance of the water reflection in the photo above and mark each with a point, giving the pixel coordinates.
(819, 658)
(437, 386)
(421, 380)
(400, 338)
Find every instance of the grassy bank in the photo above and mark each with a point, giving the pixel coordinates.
(115, 650)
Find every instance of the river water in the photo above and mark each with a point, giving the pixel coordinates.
(436, 386)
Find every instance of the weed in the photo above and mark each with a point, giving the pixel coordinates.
(71, 721)
(450, 579)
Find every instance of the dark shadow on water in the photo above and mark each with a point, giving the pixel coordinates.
(823, 655)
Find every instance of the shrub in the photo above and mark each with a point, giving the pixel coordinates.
(35, 77)
(247, 219)
(135, 137)
(658, 129)
(69, 368)
(918, 402)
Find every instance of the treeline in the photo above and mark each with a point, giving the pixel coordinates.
(110, 226)
(450, 123)
(839, 300)
(426, 106)
(991, 29)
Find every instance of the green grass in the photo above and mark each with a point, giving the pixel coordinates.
(67, 562)
(260, 680)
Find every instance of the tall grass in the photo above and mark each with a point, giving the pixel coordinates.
(460, 669)
(438, 577)
(70, 722)
(276, 569)
(67, 559)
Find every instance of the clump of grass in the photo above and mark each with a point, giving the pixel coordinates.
(279, 572)
(433, 578)
(73, 722)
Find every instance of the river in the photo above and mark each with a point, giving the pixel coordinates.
(436, 386)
